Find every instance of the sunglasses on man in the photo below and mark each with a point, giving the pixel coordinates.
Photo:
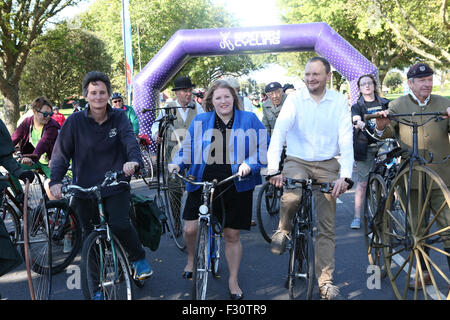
(45, 114)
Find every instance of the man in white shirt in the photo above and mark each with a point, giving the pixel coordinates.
(315, 124)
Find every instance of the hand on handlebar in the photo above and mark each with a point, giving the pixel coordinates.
(244, 170)
(27, 161)
(129, 168)
(383, 121)
(173, 167)
(277, 180)
(340, 186)
(55, 190)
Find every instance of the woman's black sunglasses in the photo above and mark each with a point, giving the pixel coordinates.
(45, 114)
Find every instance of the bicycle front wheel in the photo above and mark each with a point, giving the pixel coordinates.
(301, 267)
(12, 222)
(417, 235)
(201, 262)
(104, 269)
(373, 209)
(268, 210)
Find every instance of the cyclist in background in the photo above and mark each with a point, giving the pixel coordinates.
(58, 116)
(364, 146)
(99, 139)
(37, 135)
(117, 102)
(272, 106)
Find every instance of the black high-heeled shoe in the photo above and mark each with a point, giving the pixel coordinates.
(236, 296)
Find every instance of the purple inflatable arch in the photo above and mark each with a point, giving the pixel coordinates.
(185, 44)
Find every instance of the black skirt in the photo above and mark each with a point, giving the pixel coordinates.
(237, 205)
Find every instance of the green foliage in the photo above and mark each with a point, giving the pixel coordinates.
(157, 21)
(360, 25)
(393, 80)
(59, 61)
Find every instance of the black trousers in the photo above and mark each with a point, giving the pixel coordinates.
(117, 212)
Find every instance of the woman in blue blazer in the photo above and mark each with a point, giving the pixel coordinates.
(219, 143)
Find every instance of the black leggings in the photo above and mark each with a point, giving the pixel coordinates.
(117, 211)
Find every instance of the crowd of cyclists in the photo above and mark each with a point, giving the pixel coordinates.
(322, 137)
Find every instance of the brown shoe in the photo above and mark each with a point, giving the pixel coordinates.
(426, 278)
(278, 243)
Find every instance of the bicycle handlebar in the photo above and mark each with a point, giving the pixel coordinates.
(111, 179)
(4, 178)
(165, 108)
(325, 187)
(201, 183)
(397, 115)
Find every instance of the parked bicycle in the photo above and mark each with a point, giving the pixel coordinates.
(209, 234)
(105, 266)
(412, 244)
(169, 191)
(144, 143)
(300, 280)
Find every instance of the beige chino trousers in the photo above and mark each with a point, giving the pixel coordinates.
(325, 210)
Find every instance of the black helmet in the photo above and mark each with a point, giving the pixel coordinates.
(116, 95)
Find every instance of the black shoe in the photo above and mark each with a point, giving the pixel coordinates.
(236, 296)
(187, 275)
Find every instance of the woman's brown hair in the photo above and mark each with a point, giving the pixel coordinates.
(207, 102)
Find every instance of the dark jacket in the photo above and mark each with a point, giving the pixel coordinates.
(9, 257)
(361, 140)
(22, 136)
(94, 149)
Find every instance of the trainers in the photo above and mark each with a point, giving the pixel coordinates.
(356, 223)
(98, 296)
(328, 291)
(142, 270)
(278, 243)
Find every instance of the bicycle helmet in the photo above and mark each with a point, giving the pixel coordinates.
(116, 95)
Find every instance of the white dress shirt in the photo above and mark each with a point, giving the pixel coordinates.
(313, 131)
(183, 113)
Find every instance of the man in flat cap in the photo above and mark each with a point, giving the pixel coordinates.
(272, 106)
(432, 137)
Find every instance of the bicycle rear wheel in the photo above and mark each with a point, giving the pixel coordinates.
(148, 165)
(417, 236)
(201, 262)
(104, 270)
(373, 209)
(65, 229)
(268, 210)
(37, 249)
(301, 267)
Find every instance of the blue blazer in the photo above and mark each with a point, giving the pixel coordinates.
(249, 141)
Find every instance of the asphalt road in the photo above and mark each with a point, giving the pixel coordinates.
(262, 275)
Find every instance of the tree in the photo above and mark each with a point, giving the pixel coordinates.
(393, 80)
(72, 52)
(158, 20)
(421, 26)
(359, 25)
(21, 22)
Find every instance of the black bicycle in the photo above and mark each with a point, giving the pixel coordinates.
(300, 280)
(170, 191)
(385, 167)
(209, 234)
(105, 268)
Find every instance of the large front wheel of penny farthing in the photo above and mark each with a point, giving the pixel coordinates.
(173, 189)
(373, 209)
(416, 234)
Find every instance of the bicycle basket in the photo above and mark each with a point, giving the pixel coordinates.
(146, 218)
